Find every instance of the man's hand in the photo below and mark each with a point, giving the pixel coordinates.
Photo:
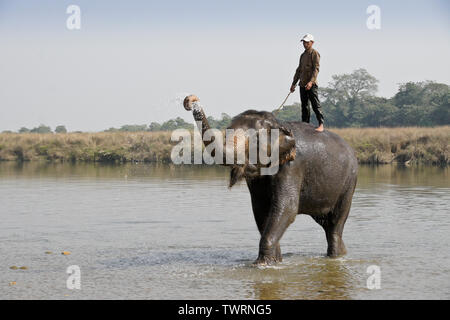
(292, 88)
(309, 85)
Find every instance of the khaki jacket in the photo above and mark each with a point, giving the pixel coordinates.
(308, 68)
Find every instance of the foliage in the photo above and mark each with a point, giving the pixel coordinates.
(349, 101)
(172, 124)
(41, 129)
(371, 145)
(60, 129)
(222, 123)
(177, 123)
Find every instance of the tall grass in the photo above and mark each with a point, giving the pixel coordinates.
(403, 145)
(100, 147)
(372, 145)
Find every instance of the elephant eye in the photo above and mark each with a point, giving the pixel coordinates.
(267, 123)
(286, 131)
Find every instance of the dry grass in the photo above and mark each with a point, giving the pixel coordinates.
(101, 146)
(372, 145)
(403, 145)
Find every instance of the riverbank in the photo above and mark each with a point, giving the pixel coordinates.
(410, 145)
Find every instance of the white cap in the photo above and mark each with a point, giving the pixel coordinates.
(308, 37)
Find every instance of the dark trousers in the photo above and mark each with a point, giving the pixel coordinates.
(305, 97)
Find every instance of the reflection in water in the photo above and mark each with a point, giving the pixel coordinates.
(401, 175)
(110, 171)
(390, 174)
(176, 232)
(318, 278)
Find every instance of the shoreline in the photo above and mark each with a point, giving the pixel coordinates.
(407, 146)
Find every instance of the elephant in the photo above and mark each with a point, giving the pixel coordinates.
(317, 176)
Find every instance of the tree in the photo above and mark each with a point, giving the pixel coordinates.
(290, 113)
(24, 130)
(60, 129)
(133, 128)
(221, 123)
(379, 112)
(224, 122)
(111, 129)
(154, 126)
(414, 115)
(423, 103)
(441, 114)
(347, 95)
(177, 123)
(357, 85)
(41, 129)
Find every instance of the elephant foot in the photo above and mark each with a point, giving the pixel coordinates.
(269, 257)
(336, 248)
(267, 261)
(337, 254)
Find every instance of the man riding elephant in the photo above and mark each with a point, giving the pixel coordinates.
(316, 176)
(307, 72)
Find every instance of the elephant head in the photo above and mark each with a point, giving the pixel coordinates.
(249, 127)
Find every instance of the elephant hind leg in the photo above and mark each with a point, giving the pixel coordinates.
(336, 246)
(333, 231)
(334, 222)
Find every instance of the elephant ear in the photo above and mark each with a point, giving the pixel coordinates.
(287, 145)
(236, 174)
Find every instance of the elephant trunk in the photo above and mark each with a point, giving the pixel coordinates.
(191, 103)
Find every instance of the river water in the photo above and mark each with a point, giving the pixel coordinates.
(167, 232)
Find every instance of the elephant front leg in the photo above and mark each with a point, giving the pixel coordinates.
(269, 245)
(284, 209)
(275, 201)
(261, 193)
